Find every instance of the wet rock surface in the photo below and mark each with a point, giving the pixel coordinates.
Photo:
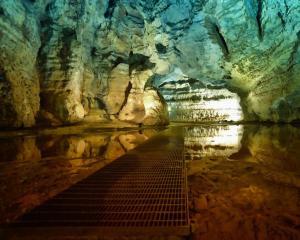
(250, 194)
(64, 57)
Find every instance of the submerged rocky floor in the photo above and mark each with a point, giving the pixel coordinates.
(244, 180)
(251, 194)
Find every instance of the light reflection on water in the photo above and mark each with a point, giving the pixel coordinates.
(212, 141)
(235, 166)
(244, 187)
(276, 145)
(34, 168)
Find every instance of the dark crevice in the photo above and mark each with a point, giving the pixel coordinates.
(136, 19)
(227, 77)
(94, 52)
(139, 62)
(110, 8)
(286, 7)
(222, 42)
(177, 51)
(45, 35)
(1, 75)
(106, 55)
(118, 61)
(258, 19)
(281, 18)
(161, 49)
(65, 52)
(1, 11)
(127, 92)
(101, 104)
(122, 146)
(48, 8)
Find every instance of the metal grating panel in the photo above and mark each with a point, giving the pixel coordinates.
(145, 188)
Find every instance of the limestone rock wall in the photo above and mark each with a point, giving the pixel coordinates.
(19, 83)
(62, 60)
(192, 101)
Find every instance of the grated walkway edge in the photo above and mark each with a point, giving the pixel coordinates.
(142, 192)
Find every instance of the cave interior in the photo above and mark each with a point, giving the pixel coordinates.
(213, 84)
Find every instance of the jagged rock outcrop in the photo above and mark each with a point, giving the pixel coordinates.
(61, 59)
(129, 99)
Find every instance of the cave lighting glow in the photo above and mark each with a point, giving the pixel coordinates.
(217, 140)
(230, 107)
(230, 136)
(227, 109)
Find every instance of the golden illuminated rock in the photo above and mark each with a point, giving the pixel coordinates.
(62, 59)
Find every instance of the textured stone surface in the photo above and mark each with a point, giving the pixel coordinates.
(19, 84)
(192, 101)
(70, 52)
(119, 83)
(156, 111)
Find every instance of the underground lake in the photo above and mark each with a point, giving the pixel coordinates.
(149, 119)
(242, 181)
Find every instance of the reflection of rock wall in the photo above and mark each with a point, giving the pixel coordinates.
(37, 168)
(254, 193)
(275, 146)
(212, 141)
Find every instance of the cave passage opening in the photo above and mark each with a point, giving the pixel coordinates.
(192, 101)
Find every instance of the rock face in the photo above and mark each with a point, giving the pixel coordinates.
(64, 59)
(192, 101)
(19, 83)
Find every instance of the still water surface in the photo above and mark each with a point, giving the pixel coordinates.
(243, 179)
(36, 167)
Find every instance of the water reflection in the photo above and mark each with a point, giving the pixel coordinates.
(35, 168)
(244, 181)
(212, 141)
(278, 146)
(249, 189)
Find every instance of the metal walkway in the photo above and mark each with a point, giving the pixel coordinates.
(142, 192)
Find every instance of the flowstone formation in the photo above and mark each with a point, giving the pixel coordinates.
(64, 61)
